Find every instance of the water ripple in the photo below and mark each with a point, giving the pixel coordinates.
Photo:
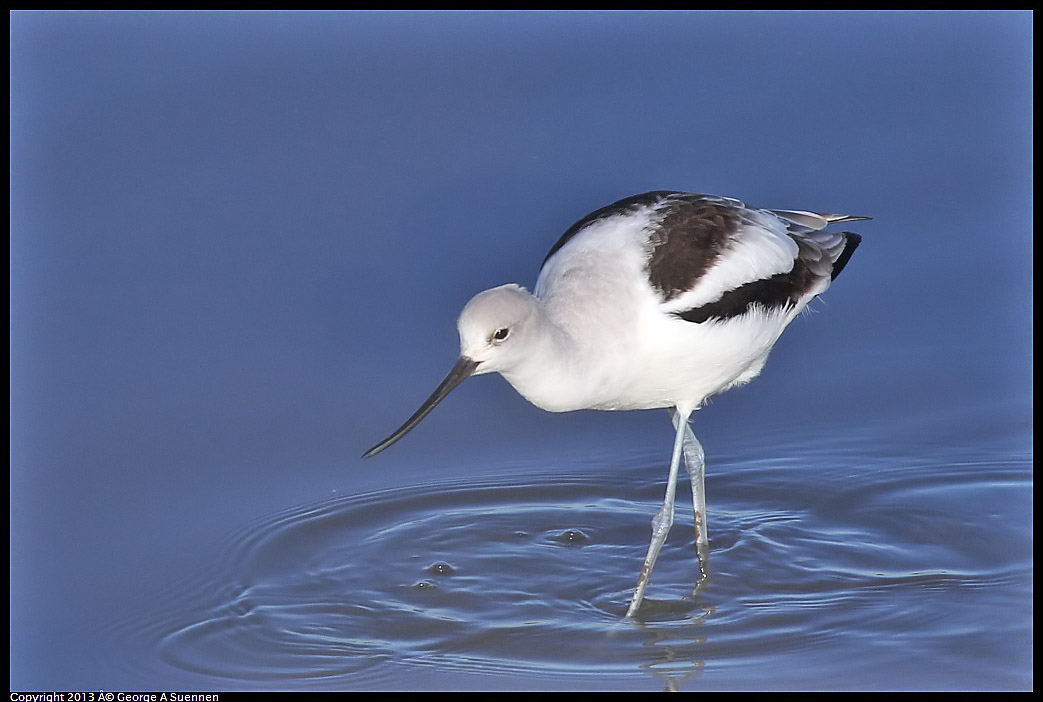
(529, 574)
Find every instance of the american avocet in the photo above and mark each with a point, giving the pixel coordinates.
(658, 300)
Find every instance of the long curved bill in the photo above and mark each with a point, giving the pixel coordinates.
(463, 370)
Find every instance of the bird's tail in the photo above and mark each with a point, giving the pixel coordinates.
(851, 242)
(831, 218)
(799, 221)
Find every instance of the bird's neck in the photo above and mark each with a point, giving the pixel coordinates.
(546, 376)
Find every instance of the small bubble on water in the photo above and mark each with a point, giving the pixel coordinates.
(441, 568)
(241, 609)
(425, 585)
(572, 537)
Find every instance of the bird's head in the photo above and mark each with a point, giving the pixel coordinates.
(493, 327)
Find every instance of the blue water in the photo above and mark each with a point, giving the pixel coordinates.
(239, 245)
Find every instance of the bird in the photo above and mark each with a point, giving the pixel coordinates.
(658, 300)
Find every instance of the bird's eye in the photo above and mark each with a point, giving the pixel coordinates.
(500, 334)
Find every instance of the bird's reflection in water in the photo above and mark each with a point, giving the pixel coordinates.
(676, 638)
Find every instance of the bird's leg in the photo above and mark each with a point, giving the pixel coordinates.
(662, 522)
(695, 463)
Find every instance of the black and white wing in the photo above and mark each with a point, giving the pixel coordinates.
(714, 258)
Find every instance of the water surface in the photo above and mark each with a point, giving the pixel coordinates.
(887, 570)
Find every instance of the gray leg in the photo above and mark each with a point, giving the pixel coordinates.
(695, 463)
(663, 520)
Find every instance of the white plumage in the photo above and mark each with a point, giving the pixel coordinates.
(657, 300)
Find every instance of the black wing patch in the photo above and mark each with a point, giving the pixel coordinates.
(775, 292)
(812, 264)
(691, 235)
(851, 242)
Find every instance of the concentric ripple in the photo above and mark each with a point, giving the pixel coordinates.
(527, 577)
